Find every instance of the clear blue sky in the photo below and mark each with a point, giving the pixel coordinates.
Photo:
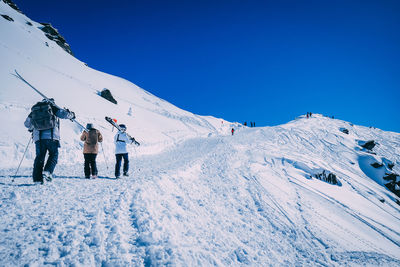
(244, 60)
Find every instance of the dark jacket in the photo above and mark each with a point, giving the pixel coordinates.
(91, 147)
(50, 133)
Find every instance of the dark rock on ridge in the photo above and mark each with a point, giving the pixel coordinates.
(53, 34)
(12, 5)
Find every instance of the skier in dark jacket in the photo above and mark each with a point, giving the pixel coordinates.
(90, 150)
(46, 135)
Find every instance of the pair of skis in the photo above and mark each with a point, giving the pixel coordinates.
(113, 123)
(45, 97)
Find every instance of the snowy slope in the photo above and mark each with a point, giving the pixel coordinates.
(74, 85)
(224, 200)
(196, 196)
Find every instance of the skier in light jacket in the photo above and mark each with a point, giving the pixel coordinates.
(120, 140)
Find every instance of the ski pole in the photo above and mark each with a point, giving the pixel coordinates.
(105, 159)
(23, 156)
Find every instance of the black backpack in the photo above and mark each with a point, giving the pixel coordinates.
(42, 116)
(92, 137)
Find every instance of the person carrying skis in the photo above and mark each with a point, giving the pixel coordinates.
(90, 149)
(44, 123)
(120, 140)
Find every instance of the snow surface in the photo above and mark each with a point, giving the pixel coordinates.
(196, 195)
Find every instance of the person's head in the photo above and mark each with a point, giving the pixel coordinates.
(89, 126)
(123, 127)
(46, 100)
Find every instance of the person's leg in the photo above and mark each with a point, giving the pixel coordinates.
(126, 163)
(87, 165)
(118, 158)
(93, 164)
(39, 161)
(52, 147)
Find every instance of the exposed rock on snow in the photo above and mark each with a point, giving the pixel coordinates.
(53, 34)
(327, 176)
(369, 145)
(106, 93)
(344, 130)
(7, 17)
(377, 165)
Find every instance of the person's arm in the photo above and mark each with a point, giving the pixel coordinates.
(99, 136)
(65, 114)
(84, 136)
(28, 123)
(125, 138)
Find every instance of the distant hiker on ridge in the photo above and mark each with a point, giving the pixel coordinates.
(43, 121)
(90, 150)
(233, 131)
(120, 140)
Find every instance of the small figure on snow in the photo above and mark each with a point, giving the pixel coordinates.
(233, 131)
(90, 150)
(120, 140)
(44, 122)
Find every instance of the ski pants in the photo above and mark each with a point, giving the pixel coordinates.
(42, 147)
(118, 163)
(90, 164)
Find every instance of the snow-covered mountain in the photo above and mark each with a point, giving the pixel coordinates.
(47, 66)
(312, 192)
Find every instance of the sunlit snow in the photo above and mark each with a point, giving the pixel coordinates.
(196, 195)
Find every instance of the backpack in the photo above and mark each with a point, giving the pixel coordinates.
(42, 116)
(92, 137)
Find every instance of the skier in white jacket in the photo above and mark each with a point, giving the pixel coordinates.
(120, 140)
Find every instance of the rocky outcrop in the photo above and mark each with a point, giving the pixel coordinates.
(369, 145)
(327, 176)
(53, 34)
(107, 95)
(377, 165)
(12, 5)
(344, 130)
(7, 17)
(390, 166)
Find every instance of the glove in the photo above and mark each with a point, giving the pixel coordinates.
(72, 115)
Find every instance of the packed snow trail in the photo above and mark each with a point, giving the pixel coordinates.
(207, 201)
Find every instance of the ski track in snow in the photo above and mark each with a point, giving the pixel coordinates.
(200, 203)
